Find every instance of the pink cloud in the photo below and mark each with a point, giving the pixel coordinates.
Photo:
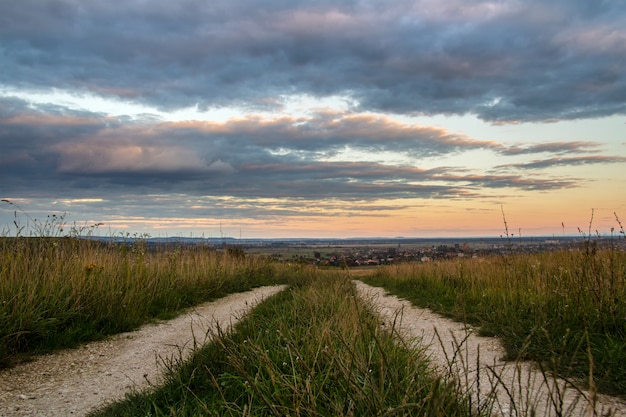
(99, 157)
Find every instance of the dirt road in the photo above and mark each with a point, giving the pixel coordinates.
(451, 345)
(74, 382)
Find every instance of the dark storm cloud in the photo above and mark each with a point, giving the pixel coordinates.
(503, 61)
(355, 180)
(241, 207)
(55, 151)
(513, 182)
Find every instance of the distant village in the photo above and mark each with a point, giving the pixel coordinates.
(384, 251)
(374, 253)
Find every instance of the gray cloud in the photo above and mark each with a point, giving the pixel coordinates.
(553, 147)
(569, 161)
(79, 154)
(328, 134)
(503, 61)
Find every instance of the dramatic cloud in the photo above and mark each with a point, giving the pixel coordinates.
(503, 61)
(164, 113)
(285, 157)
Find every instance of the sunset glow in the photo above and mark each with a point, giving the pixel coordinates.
(338, 119)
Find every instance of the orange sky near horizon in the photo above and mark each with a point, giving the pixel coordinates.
(325, 119)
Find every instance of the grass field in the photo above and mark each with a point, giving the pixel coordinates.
(566, 310)
(60, 291)
(313, 350)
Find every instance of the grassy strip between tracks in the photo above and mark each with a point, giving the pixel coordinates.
(312, 350)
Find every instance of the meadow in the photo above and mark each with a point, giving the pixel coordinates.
(566, 309)
(57, 292)
(313, 350)
(316, 348)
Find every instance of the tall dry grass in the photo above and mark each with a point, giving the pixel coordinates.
(565, 309)
(59, 291)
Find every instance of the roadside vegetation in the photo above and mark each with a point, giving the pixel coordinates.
(57, 292)
(316, 348)
(312, 350)
(566, 310)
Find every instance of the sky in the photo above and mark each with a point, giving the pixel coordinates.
(282, 119)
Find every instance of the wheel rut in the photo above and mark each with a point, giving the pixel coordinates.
(77, 381)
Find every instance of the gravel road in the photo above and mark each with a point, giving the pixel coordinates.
(452, 345)
(76, 381)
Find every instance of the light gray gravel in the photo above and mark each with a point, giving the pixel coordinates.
(74, 382)
(452, 345)
(77, 381)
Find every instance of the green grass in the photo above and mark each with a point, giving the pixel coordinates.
(566, 310)
(312, 350)
(57, 292)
